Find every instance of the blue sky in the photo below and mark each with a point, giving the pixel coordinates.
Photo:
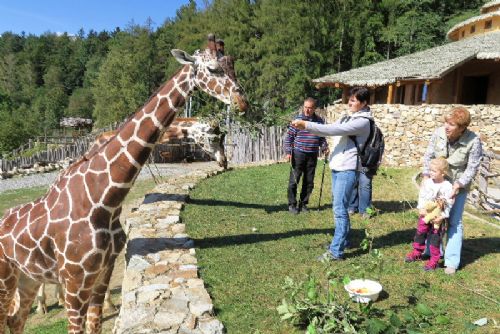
(57, 16)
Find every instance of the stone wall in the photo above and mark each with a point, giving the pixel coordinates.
(161, 290)
(407, 129)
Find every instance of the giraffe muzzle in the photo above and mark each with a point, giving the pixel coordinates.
(240, 101)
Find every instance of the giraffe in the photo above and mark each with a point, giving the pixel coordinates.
(72, 234)
(207, 136)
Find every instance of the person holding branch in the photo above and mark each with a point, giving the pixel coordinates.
(302, 149)
(344, 162)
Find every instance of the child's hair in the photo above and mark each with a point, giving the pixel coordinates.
(441, 164)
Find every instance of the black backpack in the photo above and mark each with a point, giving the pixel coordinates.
(371, 154)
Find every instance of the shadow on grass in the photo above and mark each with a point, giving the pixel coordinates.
(267, 208)
(394, 206)
(50, 308)
(474, 249)
(383, 206)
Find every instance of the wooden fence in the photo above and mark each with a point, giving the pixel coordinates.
(243, 145)
(485, 194)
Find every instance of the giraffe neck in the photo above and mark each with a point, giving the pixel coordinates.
(110, 173)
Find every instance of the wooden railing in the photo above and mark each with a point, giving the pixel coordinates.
(243, 145)
(485, 194)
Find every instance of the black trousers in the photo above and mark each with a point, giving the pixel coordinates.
(302, 164)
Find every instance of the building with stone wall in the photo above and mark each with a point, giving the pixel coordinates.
(407, 129)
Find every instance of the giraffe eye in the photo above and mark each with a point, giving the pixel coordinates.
(216, 70)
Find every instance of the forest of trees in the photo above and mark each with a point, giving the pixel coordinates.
(280, 45)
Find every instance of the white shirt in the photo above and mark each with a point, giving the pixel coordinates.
(431, 191)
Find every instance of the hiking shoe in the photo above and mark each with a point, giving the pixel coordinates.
(430, 266)
(413, 256)
(450, 271)
(293, 209)
(303, 208)
(327, 257)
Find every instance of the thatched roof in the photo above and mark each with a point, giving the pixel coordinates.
(489, 5)
(472, 20)
(430, 64)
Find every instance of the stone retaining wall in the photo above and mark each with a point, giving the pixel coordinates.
(161, 290)
(407, 129)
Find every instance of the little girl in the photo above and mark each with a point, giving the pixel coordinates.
(435, 188)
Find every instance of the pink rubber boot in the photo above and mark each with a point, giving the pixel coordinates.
(433, 262)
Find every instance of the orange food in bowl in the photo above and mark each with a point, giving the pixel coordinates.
(361, 290)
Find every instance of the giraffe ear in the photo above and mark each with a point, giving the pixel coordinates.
(182, 56)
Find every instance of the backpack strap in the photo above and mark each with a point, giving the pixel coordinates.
(370, 136)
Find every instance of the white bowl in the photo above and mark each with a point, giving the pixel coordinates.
(371, 290)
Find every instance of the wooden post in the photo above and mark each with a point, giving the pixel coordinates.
(458, 86)
(390, 94)
(429, 89)
(345, 94)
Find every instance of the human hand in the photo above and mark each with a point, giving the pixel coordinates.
(326, 152)
(288, 157)
(438, 220)
(455, 190)
(299, 124)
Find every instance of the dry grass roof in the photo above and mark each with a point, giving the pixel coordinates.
(472, 20)
(429, 64)
(489, 4)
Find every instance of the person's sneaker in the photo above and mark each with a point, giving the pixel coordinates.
(413, 256)
(293, 209)
(351, 212)
(430, 266)
(327, 256)
(303, 208)
(450, 271)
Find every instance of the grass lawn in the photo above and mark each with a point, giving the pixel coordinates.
(247, 243)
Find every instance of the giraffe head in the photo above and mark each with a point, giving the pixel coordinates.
(213, 73)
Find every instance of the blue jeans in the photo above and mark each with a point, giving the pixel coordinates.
(455, 231)
(342, 186)
(361, 197)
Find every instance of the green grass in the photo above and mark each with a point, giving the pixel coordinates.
(247, 243)
(11, 198)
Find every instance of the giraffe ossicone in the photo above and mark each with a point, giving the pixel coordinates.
(72, 235)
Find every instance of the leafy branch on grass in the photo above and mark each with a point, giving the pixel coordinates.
(322, 310)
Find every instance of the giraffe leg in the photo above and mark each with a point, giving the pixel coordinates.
(8, 285)
(94, 314)
(109, 307)
(76, 298)
(28, 290)
(60, 294)
(41, 299)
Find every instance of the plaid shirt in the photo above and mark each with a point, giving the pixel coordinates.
(303, 140)
(473, 162)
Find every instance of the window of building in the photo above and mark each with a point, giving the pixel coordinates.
(473, 29)
(488, 24)
(463, 33)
